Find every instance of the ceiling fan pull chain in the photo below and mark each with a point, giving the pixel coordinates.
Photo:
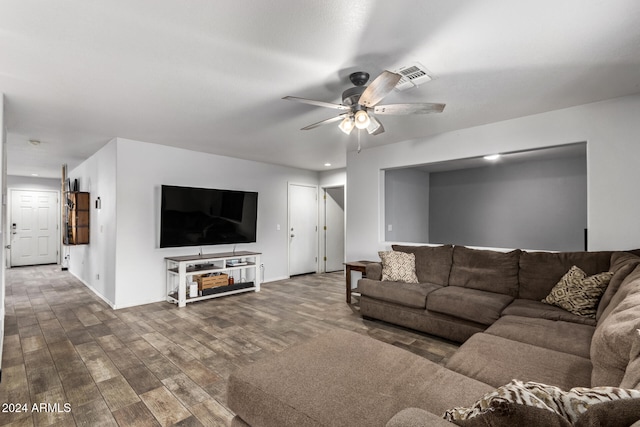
(359, 148)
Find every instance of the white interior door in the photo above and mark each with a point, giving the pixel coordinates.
(33, 227)
(334, 231)
(303, 229)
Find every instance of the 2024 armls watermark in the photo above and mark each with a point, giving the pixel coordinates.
(36, 407)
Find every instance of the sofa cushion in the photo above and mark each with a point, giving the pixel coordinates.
(442, 325)
(398, 266)
(577, 293)
(537, 309)
(238, 422)
(631, 377)
(496, 361)
(614, 337)
(567, 337)
(373, 271)
(433, 263)
(485, 270)
(407, 294)
(569, 405)
(415, 417)
(622, 263)
(614, 413)
(540, 271)
(470, 304)
(344, 378)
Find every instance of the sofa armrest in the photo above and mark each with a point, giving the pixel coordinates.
(415, 417)
(373, 271)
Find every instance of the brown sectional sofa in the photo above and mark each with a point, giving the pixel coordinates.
(487, 299)
(480, 287)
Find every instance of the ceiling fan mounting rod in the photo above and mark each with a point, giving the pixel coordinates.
(359, 78)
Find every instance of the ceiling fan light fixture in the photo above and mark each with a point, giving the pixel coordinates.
(374, 125)
(346, 125)
(362, 119)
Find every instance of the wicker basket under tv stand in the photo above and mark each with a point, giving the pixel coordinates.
(181, 268)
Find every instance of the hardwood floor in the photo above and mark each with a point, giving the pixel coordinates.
(157, 365)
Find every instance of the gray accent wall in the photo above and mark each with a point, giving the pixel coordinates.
(406, 205)
(532, 205)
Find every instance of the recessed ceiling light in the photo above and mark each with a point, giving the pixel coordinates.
(34, 142)
(327, 164)
(34, 174)
(492, 157)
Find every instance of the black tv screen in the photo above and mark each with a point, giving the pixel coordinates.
(204, 216)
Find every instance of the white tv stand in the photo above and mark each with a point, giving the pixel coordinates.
(245, 272)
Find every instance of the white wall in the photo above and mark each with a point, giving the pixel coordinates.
(3, 212)
(95, 263)
(33, 183)
(124, 264)
(333, 178)
(611, 129)
(141, 170)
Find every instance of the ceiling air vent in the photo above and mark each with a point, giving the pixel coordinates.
(412, 75)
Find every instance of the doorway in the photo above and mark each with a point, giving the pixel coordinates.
(33, 225)
(333, 229)
(303, 229)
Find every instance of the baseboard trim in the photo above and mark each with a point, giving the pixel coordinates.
(92, 289)
(151, 301)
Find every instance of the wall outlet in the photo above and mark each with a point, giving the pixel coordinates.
(390, 227)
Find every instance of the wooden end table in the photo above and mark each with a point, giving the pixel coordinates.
(354, 266)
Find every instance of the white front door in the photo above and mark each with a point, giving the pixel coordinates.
(334, 229)
(33, 227)
(303, 229)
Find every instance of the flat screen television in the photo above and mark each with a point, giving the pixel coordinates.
(205, 216)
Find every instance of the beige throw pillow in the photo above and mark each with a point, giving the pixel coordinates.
(398, 266)
(577, 293)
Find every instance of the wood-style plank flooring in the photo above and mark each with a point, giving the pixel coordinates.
(157, 365)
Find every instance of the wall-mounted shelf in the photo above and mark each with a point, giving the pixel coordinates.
(243, 266)
(76, 218)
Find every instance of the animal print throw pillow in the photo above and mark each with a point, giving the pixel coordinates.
(568, 405)
(579, 294)
(398, 266)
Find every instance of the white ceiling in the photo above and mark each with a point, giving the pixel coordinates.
(209, 75)
(575, 150)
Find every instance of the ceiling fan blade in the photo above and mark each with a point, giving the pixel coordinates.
(324, 122)
(408, 109)
(379, 88)
(317, 103)
(375, 127)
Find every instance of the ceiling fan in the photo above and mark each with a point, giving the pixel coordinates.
(360, 104)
